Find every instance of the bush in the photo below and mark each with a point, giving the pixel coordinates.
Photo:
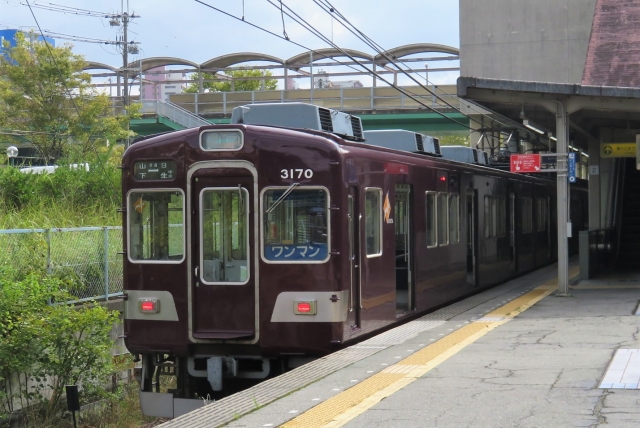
(49, 345)
(65, 198)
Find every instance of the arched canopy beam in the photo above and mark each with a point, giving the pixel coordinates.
(402, 51)
(91, 65)
(149, 63)
(300, 60)
(225, 61)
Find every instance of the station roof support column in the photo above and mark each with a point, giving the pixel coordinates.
(562, 132)
(586, 109)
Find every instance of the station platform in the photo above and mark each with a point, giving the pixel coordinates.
(513, 356)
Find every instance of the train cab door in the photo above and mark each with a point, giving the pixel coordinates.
(354, 219)
(403, 253)
(472, 237)
(223, 294)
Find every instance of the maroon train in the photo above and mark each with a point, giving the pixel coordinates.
(252, 248)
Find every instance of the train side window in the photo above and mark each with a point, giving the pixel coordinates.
(487, 216)
(502, 217)
(373, 221)
(543, 214)
(454, 218)
(156, 226)
(430, 215)
(443, 219)
(295, 225)
(527, 215)
(495, 217)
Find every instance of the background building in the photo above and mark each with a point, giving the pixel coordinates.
(541, 40)
(10, 36)
(164, 84)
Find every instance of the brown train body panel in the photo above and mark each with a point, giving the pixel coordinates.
(238, 318)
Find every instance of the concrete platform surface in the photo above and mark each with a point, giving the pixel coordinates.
(523, 358)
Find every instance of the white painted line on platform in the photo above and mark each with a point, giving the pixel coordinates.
(623, 371)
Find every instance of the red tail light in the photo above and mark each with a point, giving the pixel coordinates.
(149, 306)
(304, 307)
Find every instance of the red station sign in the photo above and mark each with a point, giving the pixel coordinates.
(525, 163)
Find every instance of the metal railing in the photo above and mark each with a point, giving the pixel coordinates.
(88, 255)
(173, 112)
(348, 99)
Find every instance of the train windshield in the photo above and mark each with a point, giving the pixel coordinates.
(156, 226)
(295, 225)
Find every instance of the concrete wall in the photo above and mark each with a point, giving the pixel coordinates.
(532, 40)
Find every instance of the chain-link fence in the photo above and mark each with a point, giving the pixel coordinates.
(87, 255)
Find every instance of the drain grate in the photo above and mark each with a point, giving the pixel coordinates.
(623, 371)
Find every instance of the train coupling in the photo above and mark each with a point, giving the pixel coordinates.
(219, 368)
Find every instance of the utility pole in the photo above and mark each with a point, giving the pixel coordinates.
(125, 58)
(126, 46)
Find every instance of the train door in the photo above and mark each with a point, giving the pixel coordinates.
(471, 203)
(224, 281)
(512, 230)
(355, 294)
(403, 253)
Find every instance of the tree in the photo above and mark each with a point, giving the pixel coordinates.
(47, 100)
(238, 83)
(453, 140)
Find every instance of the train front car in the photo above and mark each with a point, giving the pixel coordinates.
(228, 272)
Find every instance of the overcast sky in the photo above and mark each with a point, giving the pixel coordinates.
(190, 30)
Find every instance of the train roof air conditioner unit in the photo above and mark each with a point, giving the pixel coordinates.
(300, 115)
(464, 154)
(406, 141)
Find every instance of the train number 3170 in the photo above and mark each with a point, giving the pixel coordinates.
(296, 173)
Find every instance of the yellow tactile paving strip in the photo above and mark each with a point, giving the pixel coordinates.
(345, 406)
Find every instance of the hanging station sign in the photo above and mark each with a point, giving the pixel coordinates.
(525, 163)
(618, 150)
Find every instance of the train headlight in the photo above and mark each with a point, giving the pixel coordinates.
(149, 306)
(304, 307)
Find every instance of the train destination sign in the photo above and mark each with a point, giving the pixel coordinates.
(155, 170)
(525, 163)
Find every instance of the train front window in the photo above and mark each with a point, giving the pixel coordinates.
(156, 226)
(295, 225)
(224, 238)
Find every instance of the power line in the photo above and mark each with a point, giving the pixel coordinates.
(122, 44)
(370, 71)
(79, 39)
(392, 59)
(328, 57)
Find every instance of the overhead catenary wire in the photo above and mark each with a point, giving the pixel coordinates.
(315, 52)
(332, 11)
(411, 95)
(404, 91)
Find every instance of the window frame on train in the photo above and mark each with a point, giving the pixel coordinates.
(130, 223)
(526, 202)
(431, 213)
(206, 132)
(373, 214)
(442, 218)
(264, 231)
(542, 206)
(201, 238)
(456, 217)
